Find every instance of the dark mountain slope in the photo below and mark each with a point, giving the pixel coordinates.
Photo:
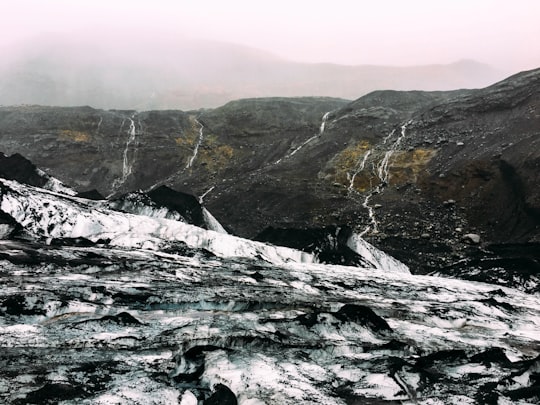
(99, 149)
(417, 172)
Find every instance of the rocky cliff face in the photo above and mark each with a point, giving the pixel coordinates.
(431, 177)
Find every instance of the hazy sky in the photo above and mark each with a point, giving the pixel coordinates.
(502, 33)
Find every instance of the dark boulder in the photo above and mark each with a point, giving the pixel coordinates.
(122, 318)
(53, 392)
(185, 204)
(222, 395)
(492, 355)
(91, 195)
(442, 356)
(328, 243)
(17, 167)
(362, 315)
(18, 305)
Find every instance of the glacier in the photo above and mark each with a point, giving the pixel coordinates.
(54, 217)
(101, 306)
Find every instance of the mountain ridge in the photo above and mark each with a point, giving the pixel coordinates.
(190, 74)
(125, 300)
(297, 162)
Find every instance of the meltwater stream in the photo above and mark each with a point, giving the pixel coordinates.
(197, 145)
(128, 155)
(382, 171)
(309, 140)
(359, 168)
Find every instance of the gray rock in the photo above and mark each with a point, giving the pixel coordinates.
(6, 230)
(472, 238)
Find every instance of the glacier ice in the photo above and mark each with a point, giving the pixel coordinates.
(52, 216)
(131, 321)
(377, 258)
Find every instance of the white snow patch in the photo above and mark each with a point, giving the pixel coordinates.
(63, 217)
(21, 335)
(188, 398)
(55, 185)
(379, 385)
(5, 230)
(377, 258)
(212, 223)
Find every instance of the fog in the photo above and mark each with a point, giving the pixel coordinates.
(192, 54)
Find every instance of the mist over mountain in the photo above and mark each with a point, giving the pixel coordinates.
(140, 73)
(272, 250)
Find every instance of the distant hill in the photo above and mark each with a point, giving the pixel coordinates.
(191, 74)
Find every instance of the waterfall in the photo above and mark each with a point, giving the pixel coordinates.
(383, 173)
(359, 168)
(374, 227)
(99, 124)
(197, 145)
(382, 169)
(127, 165)
(321, 131)
(323, 123)
(201, 198)
(128, 159)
